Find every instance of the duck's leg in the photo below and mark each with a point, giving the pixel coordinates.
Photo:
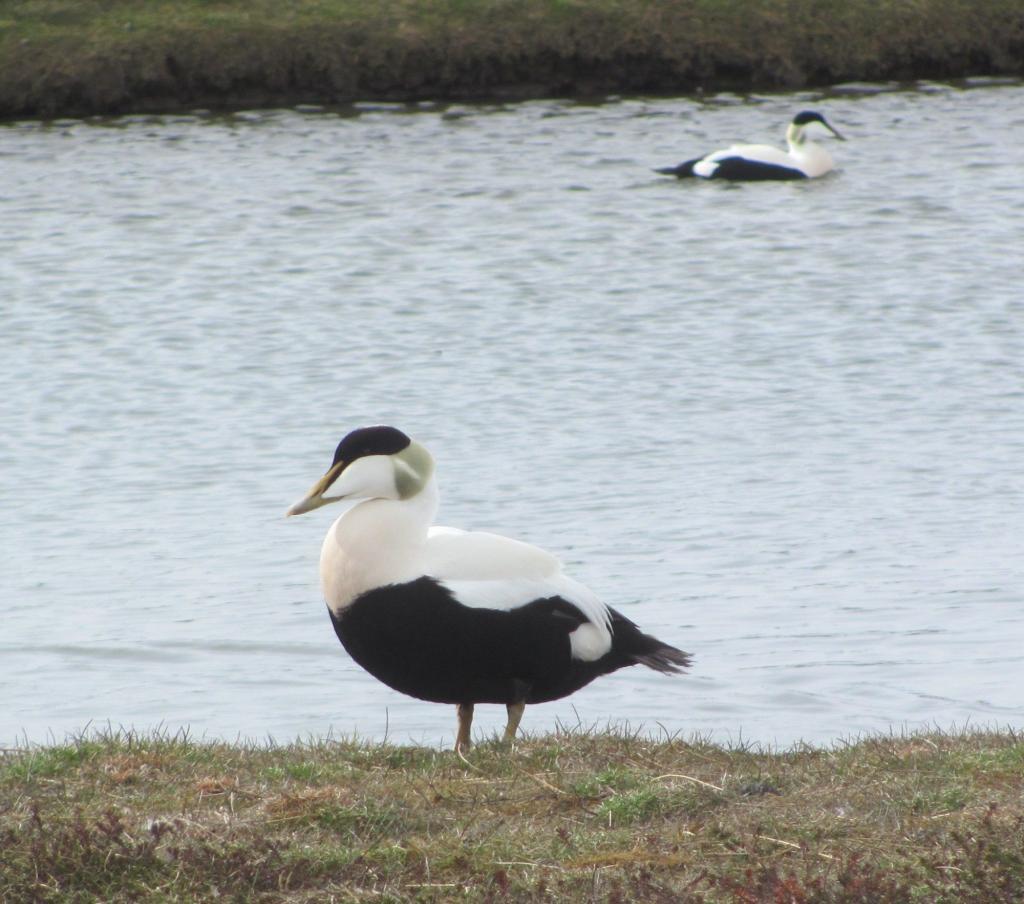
(462, 739)
(515, 714)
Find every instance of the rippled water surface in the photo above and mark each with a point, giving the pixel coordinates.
(780, 425)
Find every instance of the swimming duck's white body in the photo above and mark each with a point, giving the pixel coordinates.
(804, 159)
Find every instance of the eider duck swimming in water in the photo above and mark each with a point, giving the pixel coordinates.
(762, 162)
(452, 616)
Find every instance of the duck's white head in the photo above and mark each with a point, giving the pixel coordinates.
(796, 133)
(371, 463)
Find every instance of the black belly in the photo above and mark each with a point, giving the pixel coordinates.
(739, 169)
(419, 640)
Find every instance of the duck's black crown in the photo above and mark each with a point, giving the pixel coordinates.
(377, 440)
(801, 119)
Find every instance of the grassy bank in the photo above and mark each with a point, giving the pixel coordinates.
(102, 56)
(931, 818)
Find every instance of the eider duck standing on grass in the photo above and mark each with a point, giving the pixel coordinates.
(451, 616)
(762, 162)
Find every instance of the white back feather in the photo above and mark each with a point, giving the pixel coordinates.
(474, 556)
(488, 571)
(761, 153)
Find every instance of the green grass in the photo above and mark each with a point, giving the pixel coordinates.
(97, 56)
(574, 816)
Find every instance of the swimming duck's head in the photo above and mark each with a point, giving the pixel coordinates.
(806, 118)
(371, 463)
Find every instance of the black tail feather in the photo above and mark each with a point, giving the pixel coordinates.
(662, 657)
(682, 171)
(638, 648)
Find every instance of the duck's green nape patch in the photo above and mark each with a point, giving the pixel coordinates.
(576, 815)
(62, 59)
(413, 468)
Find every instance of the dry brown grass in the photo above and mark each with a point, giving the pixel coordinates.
(579, 816)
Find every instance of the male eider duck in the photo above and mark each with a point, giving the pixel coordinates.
(452, 616)
(761, 162)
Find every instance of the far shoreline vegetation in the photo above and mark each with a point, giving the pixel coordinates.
(577, 815)
(98, 57)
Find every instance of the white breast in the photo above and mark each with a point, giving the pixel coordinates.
(375, 543)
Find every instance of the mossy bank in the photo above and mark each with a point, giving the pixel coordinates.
(115, 56)
(568, 817)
